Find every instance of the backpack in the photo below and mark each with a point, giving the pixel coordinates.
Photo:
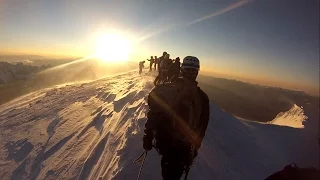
(293, 172)
(165, 64)
(178, 107)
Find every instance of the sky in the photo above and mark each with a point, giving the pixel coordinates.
(273, 42)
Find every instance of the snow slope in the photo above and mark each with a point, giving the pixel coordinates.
(94, 129)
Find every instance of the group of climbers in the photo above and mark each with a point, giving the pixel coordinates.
(169, 69)
(178, 117)
(153, 63)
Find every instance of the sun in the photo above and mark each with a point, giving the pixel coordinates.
(112, 48)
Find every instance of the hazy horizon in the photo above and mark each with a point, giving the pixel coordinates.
(251, 80)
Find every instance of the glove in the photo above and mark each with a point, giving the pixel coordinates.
(147, 142)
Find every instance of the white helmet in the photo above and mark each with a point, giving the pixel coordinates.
(190, 62)
(190, 67)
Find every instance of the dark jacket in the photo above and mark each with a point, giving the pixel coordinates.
(141, 64)
(151, 61)
(160, 59)
(174, 71)
(165, 64)
(156, 122)
(175, 67)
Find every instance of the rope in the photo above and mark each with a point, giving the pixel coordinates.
(144, 158)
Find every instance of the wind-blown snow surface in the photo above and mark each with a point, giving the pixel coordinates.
(93, 130)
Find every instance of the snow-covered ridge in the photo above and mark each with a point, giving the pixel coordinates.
(93, 130)
(292, 118)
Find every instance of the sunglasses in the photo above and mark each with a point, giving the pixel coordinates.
(189, 70)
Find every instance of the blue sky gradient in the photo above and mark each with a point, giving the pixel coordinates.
(275, 40)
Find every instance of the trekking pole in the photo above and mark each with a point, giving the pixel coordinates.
(187, 169)
(186, 175)
(144, 158)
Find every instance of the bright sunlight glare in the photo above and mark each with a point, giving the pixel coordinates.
(112, 48)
